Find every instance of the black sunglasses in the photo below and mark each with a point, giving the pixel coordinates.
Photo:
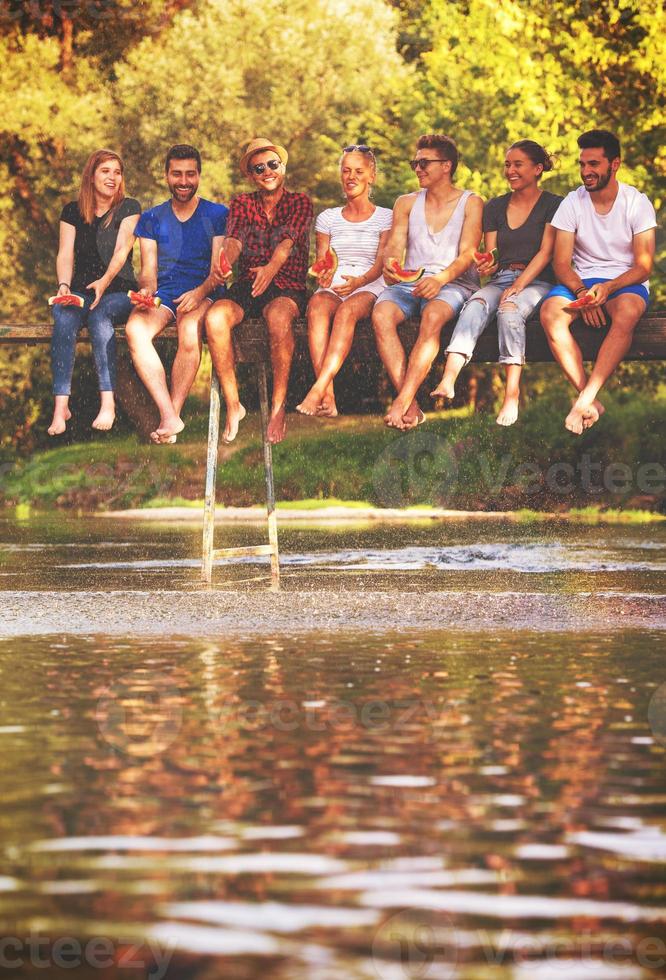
(424, 164)
(258, 168)
(357, 148)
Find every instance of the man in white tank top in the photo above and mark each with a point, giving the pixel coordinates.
(604, 249)
(436, 228)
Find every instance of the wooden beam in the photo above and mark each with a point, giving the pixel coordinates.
(250, 342)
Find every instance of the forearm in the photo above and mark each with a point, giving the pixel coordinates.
(232, 248)
(458, 266)
(534, 268)
(567, 275)
(64, 268)
(638, 273)
(280, 255)
(117, 262)
(147, 279)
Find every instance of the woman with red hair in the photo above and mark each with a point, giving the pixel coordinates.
(94, 262)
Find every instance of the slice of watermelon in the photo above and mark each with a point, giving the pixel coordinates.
(225, 265)
(328, 263)
(580, 304)
(67, 299)
(492, 256)
(140, 299)
(404, 275)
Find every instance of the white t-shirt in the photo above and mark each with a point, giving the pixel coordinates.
(355, 242)
(603, 246)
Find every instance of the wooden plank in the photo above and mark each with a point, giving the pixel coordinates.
(251, 346)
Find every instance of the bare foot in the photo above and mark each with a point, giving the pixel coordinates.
(310, 404)
(234, 418)
(394, 418)
(59, 422)
(328, 408)
(413, 418)
(600, 411)
(581, 417)
(105, 419)
(445, 389)
(508, 413)
(166, 429)
(277, 426)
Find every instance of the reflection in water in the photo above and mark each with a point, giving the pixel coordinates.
(323, 806)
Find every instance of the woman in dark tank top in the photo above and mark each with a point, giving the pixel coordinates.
(518, 225)
(94, 263)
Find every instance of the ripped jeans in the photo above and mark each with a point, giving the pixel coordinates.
(480, 307)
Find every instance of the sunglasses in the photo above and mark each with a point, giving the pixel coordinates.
(357, 148)
(424, 164)
(258, 168)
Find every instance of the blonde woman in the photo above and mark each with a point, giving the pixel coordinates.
(94, 262)
(357, 232)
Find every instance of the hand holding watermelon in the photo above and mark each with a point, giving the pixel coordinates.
(394, 272)
(486, 261)
(145, 300)
(324, 269)
(225, 268)
(66, 299)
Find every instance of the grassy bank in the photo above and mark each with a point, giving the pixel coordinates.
(457, 460)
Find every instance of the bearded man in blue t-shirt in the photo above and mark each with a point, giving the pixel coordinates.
(180, 245)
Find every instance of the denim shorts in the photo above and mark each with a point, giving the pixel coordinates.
(402, 294)
(638, 290)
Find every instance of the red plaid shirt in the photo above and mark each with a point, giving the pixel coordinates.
(248, 223)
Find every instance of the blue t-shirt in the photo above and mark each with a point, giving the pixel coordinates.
(183, 247)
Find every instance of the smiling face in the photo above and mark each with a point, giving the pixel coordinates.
(107, 178)
(183, 178)
(271, 177)
(430, 167)
(596, 170)
(357, 175)
(520, 171)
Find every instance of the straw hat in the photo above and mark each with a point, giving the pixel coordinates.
(256, 145)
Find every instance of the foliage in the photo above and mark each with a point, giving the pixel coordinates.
(316, 75)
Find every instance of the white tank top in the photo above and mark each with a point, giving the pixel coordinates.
(437, 251)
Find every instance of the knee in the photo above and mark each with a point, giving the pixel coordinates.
(217, 321)
(382, 321)
(279, 327)
(509, 317)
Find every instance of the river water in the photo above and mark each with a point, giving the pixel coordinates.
(438, 753)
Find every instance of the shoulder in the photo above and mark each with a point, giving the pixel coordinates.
(297, 196)
(296, 201)
(326, 217)
(383, 218)
(633, 196)
(150, 220)
(549, 198)
(128, 206)
(498, 203)
(241, 201)
(474, 201)
(214, 209)
(405, 203)
(70, 213)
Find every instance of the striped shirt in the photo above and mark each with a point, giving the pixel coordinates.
(355, 242)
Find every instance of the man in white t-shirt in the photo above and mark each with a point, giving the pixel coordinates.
(604, 249)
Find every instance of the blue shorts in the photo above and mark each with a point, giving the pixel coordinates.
(402, 294)
(565, 292)
(170, 293)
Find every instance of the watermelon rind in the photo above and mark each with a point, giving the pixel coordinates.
(317, 270)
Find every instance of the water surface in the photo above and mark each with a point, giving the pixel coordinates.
(335, 803)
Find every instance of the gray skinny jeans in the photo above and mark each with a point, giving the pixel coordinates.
(480, 307)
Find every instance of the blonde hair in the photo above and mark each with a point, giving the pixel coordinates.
(87, 190)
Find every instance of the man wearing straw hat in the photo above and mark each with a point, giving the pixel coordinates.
(268, 231)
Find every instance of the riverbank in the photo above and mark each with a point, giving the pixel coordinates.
(457, 462)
